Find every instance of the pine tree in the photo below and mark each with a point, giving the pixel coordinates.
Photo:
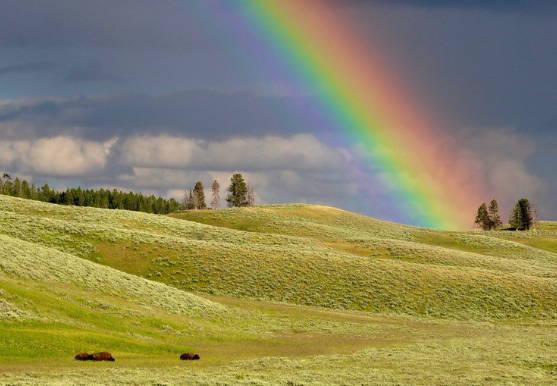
(88, 197)
(25, 189)
(17, 188)
(199, 195)
(522, 217)
(494, 218)
(5, 184)
(482, 217)
(215, 199)
(515, 220)
(237, 191)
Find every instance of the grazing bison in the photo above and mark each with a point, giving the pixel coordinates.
(102, 356)
(98, 356)
(189, 357)
(83, 357)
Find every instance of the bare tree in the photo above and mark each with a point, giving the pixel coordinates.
(195, 199)
(189, 200)
(215, 200)
(251, 196)
(186, 199)
(535, 216)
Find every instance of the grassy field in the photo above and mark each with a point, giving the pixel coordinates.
(291, 294)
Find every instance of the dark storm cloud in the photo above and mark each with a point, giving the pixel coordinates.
(92, 72)
(120, 68)
(25, 68)
(124, 24)
(492, 5)
(205, 114)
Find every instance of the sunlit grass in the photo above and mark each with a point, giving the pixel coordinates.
(345, 299)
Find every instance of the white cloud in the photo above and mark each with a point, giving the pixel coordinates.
(56, 156)
(301, 152)
(157, 151)
(290, 168)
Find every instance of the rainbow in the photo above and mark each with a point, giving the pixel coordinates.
(374, 112)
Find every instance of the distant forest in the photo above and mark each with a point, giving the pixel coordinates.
(98, 198)
(239, 194)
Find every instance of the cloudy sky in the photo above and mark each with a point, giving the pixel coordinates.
(154, 95)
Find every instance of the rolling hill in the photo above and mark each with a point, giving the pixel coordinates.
(333, 294)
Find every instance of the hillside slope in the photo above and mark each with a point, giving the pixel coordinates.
(351, 231)
(64, 304)
(336, 260)
(58, 296)
(54, 304)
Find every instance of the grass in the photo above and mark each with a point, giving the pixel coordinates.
(306, 255)
(286, 294)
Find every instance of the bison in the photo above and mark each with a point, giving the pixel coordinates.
(83, 357)
(189, 357)
(98, 356)
(102, 356)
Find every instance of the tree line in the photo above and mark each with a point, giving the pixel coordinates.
(97, 198)
(240, 194)
(523, 216)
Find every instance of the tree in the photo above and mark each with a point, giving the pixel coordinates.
(25, 189)
(522, 217)
(237, 191)
(188, 200)
(199, 196)
(482, 218)
(494, 218)
(17, 190)
(251, 196)
(101, 198)
(215, 199)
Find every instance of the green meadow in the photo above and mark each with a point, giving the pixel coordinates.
(270, 295)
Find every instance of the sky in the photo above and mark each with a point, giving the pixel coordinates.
(152, 96)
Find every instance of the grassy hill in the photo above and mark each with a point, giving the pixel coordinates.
(335, 295)
(307, 255)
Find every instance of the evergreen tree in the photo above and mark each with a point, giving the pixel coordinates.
(515, 220)
(237, 191)
(494, 218)
(522, 217)
(215, 199)
(199, 195)
(482, 218)
(17, 189)
(25, 189)
(34, 193)
(88, 197)
(5, 184)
